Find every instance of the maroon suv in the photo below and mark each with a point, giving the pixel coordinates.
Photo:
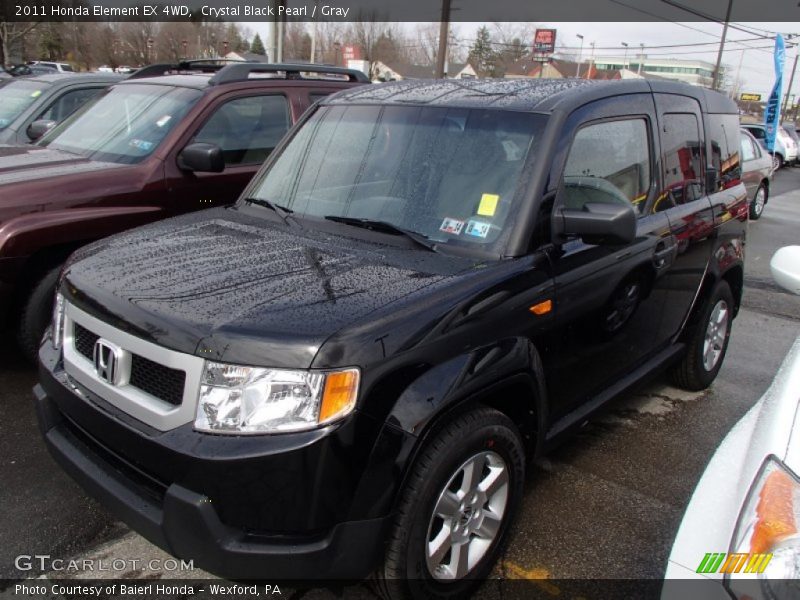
(168, 140)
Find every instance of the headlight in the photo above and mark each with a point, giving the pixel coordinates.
(767, 534)
(58, 321)
(236, 400)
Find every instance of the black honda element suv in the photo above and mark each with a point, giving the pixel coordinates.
(424, 287)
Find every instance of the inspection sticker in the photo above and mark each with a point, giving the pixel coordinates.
(477, 229)
(488, 205)
(453, 226)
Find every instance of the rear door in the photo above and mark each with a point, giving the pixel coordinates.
(684, 199)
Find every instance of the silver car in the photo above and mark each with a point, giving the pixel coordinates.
(739, 535)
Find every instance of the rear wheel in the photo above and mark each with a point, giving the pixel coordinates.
(706, 351)
(455, 509)
(758, 202)
(36, 313)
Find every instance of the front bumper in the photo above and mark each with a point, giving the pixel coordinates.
(188, 523)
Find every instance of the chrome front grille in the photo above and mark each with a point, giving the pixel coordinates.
(154, 384)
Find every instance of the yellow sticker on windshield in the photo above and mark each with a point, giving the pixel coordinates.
(488, 205)
(36, 93)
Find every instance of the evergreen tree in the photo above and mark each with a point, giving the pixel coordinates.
(481, 55)
(257, 46)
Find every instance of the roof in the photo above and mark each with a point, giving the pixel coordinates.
(541, 95)
(68, 78)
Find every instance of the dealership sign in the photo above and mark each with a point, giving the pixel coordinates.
(750, 97)
(544, 41)
(772, 115)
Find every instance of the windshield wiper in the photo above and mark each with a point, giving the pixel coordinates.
(385, 227)
(283, 212)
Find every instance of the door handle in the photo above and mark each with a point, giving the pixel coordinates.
(664, 254)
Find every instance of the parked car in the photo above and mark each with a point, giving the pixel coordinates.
(165, 141)
(739, 532)
(426, 286)
(29, 106)
(756, 173)
(785, 148)
(23, 70)
(5, 74)
(61, 67)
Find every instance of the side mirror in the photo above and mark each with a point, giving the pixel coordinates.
(202, 157)
(600, 223)
(38, 128)
(785, 267)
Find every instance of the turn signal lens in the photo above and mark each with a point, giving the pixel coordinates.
(339, 397)
(542, 308)
(775, 512)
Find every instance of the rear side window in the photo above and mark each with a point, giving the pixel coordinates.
(683, 164)
(68, 103)
(247, 129)
(723, 131)
(608, 162)
(315, 96)
(750, 150)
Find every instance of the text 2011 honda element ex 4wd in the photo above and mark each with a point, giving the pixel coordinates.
(427, 283)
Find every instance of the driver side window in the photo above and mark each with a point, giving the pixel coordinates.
(608, 162)
(247, 129)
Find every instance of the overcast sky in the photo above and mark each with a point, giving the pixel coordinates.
(756, 72)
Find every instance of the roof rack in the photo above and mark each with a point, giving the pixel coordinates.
(202, 65)
(241, 71)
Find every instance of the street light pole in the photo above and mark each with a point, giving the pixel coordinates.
(641, 59)
(716, 82)
(580, 55)
(625, 59)
(591, 62)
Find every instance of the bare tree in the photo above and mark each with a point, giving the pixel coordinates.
(12, 34)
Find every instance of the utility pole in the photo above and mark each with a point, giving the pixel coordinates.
(716, 82)
(791, 81)
(444, 27)
(625, 60)
(314, 36)
(591, 62)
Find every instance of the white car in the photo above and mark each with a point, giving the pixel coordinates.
(58, 66)
(739, 536)
(786, 151)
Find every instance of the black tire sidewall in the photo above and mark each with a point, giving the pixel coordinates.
(722, 291)
(496, 437)
(754, 215)
(36, 313)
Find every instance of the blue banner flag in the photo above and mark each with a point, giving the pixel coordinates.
(772, 116)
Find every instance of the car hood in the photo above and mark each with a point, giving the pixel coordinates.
(23, 163)
(770, 427)
(245, 290)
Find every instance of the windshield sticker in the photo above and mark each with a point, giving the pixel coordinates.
(488, 205)
(163, 120)
(141, 144)
(453, 226)
(36, 93)
(477, 229)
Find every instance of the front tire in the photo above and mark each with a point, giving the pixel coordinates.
(706, 352)
(455, 509)
(777, 161)
(37, 310)
(758, 203)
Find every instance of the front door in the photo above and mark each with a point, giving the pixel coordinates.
(607, 312)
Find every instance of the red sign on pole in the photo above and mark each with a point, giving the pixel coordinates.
(544, 41)
(351, 52)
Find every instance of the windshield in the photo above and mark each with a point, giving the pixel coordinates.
(449, 174)
(125, 125)
(16, 96)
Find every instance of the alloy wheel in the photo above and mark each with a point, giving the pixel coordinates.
(467, 516)
(716, 333)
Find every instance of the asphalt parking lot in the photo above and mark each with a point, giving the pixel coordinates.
(606, 504)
